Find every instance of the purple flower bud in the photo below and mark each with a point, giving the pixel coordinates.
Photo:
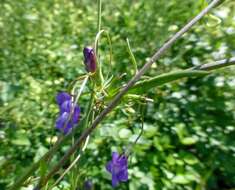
(118, 167)
(89, 59)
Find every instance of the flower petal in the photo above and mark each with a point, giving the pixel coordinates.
(123, 175)
(115, 156)
(63, 124)
(61, 120)
(68, 128)
(66, 106)
(109, 166)
(61, 97)
(115, 180)
(122, 160)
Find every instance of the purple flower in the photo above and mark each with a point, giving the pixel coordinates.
(88, 185)
(118, 167)
(89, 59)
(69, 114)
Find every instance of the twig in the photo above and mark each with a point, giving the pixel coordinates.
(216, 64)
(99, 15)
(124, 90)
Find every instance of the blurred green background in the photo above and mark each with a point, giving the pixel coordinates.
(189, 128)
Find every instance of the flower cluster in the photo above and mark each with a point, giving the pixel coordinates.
(69, 113)
(118, 167)
(69, 116)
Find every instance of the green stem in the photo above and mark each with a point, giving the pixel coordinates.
(91, 102)
(99, 15)
(99, 72)
(97, 38)
(132, 56)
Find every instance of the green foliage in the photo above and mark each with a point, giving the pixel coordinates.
(147, 84)
(188, 140)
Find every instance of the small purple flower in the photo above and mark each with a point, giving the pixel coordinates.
(88, 185)
(89, 59)
(118, 167)
(69, 114)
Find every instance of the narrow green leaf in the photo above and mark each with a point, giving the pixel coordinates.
(145, 85)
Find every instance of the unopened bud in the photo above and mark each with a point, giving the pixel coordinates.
(89, 59)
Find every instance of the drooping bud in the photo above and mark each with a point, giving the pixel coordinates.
(89, 59)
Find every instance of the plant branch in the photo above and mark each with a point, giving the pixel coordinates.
(216, 64)
(197, 71)
(99, 15)
(124, 90)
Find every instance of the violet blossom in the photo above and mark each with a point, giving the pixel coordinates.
(118, 167)
(69, 114)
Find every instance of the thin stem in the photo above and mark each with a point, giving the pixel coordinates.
(90, 106)
(124, 90)
(99, 9)
(132, 56)
(141, 132)
(97, 38)
(128, 150)
(99, 15)
(72, 164)
(99, 72)
(81, 89)
(216, 64)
